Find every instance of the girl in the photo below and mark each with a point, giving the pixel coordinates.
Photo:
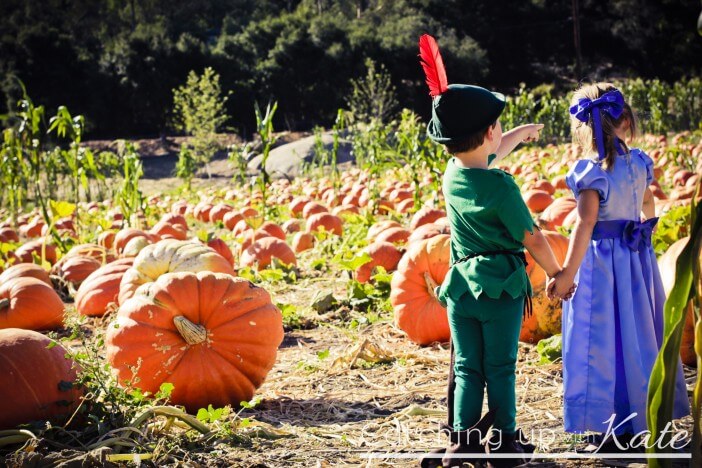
(613, 326)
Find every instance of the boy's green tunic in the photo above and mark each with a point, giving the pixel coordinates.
(485, 295)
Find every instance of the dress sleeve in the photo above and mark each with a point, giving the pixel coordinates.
(649, 165)
(587, 175)
(514, 213)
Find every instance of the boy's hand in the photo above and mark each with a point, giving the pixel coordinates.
(530, 132)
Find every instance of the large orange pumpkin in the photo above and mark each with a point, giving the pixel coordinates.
(213, 336)
(36, 378)
(302, 241)
(427, 231)
(31, 304)
(25, 270)
(546, 318)
(417, 310)
(169, 256)
(101, 288)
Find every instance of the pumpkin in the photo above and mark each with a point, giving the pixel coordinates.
(555, 214)
(544, 185)
(8, 235)
(75, 269)
(165, 230)
(134, 246)
(666, 265)
(345, 210)
(302, 241)
(263, 251)
(395, 235)
(32, 229)
(417, 310)
(537, 200)
(313, 208)
(425, 215)
(213, 336)
(545, 320)
(559, 182)
(101, 288)
(231, 218)
(168, 256)
(95, 251)
(383, 254)
(37, 375)
(291, 226)
(31, 304)
(221, 248)
(405, 206)
(28, 251)
(218, 211)
(272, 229)
(106, 239)
(427, 231)
(379, 227)
(327, 221)
(25, 270)
(125, 235)
(177, 219)
(297, 205)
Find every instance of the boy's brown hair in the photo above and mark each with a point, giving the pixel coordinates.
(583, 134)
(470, 142)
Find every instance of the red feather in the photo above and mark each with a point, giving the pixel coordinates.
(433, 65)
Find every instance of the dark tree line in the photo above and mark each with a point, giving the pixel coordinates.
(117, 61)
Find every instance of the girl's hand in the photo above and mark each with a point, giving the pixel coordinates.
(531, 132)
(561, 287)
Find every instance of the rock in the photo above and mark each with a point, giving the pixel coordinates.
(286, 160)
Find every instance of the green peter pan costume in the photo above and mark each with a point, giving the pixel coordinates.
(485, 294)
(486, 288)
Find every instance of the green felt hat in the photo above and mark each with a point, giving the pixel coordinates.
(463, 110)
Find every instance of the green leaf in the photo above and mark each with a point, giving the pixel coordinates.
(165, 391)
(321, 355)
(244, 422)
(550, 349)
(62, 209)
(272, 275)
(203, 415)
(358, 260)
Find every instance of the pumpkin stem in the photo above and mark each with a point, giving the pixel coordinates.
(192, 333)
(431, 284)
(4, 303)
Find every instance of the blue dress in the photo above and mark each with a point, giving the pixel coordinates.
(613, 325)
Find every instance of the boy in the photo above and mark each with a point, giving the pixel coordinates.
(486, 288)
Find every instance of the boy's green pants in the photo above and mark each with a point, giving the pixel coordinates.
(485, 334)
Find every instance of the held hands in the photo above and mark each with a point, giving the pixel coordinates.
(530, 132)
(560, 286)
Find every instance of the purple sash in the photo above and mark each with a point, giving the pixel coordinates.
(635, 234)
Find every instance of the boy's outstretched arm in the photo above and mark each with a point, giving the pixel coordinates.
(512, 138)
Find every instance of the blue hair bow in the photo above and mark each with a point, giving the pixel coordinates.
(611, 103)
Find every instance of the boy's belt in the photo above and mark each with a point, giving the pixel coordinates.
(528, 307)
(487, 253)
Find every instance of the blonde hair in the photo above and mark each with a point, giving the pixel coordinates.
(583, 132)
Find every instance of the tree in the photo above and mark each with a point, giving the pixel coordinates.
(199, 110)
